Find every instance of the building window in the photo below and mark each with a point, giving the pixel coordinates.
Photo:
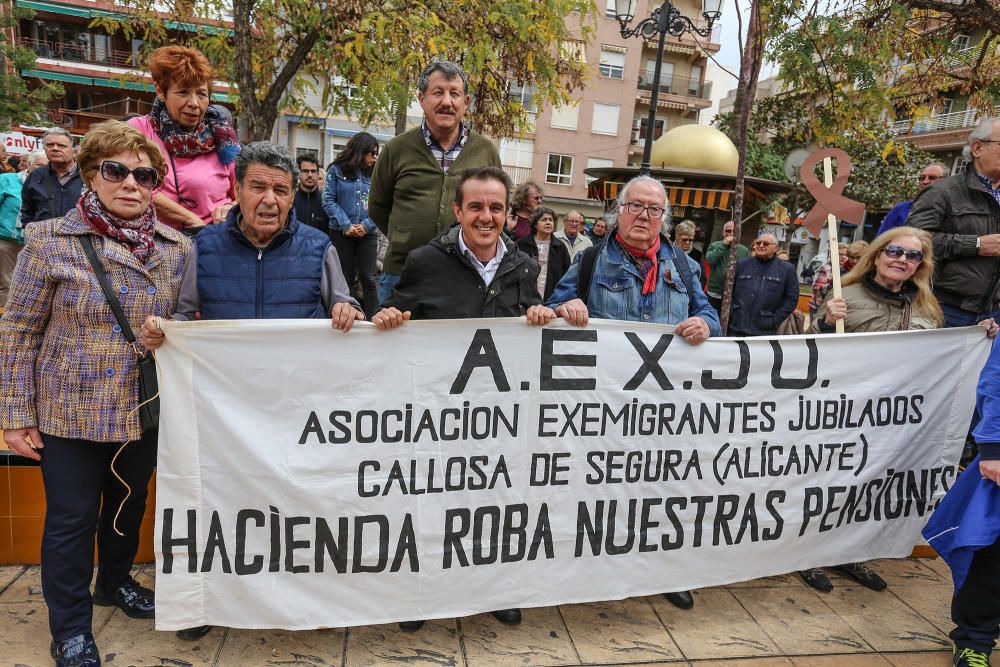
(560, 169)
(609, 9)
(517, 152)
(694, 83)
(641, 125)
(612, 63)
(525, 95)
(573, 50)
(565, 118)
(605, 119)
(960, 42)
(596, 162)
(958, 165)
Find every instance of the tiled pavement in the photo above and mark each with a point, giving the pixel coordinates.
(762, 623)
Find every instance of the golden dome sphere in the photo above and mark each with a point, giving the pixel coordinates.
(695, 147)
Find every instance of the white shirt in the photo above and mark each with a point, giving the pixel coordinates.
(487, 271)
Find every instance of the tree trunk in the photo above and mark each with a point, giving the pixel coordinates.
(750, 63)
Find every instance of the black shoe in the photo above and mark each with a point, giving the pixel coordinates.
(863, 574)
(817, 579)
(135, 600)
(411, 626)
(969, 658)
(681, 599)
(508, 616)
(195, 633)
(78, 651)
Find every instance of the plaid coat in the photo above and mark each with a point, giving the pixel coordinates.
(65, 366)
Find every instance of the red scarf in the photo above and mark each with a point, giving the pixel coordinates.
(136, 235)
(647, 258)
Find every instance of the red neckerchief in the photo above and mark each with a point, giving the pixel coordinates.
(136, 235)
(649, 282)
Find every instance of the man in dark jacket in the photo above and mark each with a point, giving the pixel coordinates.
(50, 191)
(765, 293)
(962, 213)
(309, 195)
(470, 270)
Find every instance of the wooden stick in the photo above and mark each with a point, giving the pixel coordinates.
(831, 231)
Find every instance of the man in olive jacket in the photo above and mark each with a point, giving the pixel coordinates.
(413, 185)
(962, 213)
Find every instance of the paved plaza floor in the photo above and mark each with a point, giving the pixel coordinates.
(771, 622)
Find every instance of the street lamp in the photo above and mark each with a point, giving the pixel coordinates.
(665, 20)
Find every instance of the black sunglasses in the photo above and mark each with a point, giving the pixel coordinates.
(895, 252)
(116, 172)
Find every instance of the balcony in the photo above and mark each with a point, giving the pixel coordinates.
(518, 175)
(939, 121)
(940, 131)
(681, 88)
(690, 43)
(78, 53)
(78, 122)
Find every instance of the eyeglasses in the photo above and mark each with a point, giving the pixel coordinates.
(927, 177)
(308, 171)
(895, 252)
(635, 208)
(116, 172)
(764, 244)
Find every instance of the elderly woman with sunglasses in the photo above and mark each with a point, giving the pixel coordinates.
(889, 289)
(197, 141)
(69, 380)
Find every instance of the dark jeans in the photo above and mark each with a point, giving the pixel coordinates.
(975, 609)
(957, 317)
(82, 497)
(716, 303)
(357, 258)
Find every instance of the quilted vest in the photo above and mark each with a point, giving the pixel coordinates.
(238, 281)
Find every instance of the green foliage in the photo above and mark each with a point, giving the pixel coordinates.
(884, 171)
(282, 53)
(20, 104)
(867, 62)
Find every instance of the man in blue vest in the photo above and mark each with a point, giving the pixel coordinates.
(261, 263)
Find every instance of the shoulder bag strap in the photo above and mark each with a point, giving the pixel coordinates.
(680, 261)
(102, 278)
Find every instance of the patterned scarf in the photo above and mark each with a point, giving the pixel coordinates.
(646, 260)
(136, 235)
(214, 133)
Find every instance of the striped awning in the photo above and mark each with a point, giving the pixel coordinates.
(697, 195)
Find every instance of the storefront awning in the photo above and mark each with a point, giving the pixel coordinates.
(698, 197)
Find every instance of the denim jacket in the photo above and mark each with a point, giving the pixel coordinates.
(346, 201)
(616, 290)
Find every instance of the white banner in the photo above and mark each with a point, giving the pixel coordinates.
(309, 478)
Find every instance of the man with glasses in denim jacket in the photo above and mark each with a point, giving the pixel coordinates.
(636, 276)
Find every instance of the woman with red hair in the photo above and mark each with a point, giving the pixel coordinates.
(197, 140)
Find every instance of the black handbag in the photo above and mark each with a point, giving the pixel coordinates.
(149, 401)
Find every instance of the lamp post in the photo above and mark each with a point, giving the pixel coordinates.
(665, 20)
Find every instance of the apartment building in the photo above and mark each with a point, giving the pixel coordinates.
(607, 125)
(98, 71)
(944, 129)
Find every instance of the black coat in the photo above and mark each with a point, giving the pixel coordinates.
(558, 265)
(439, 283)
(43, 197)
(764, 294)
(309, 210)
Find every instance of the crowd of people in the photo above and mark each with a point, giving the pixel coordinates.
(167, 215)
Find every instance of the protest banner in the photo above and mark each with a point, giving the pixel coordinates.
(309, 478)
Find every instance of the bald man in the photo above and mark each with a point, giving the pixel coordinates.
(765, 293)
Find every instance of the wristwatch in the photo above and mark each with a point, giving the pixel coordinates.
(979, 242)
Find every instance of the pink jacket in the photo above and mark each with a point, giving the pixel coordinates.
(202, 180)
